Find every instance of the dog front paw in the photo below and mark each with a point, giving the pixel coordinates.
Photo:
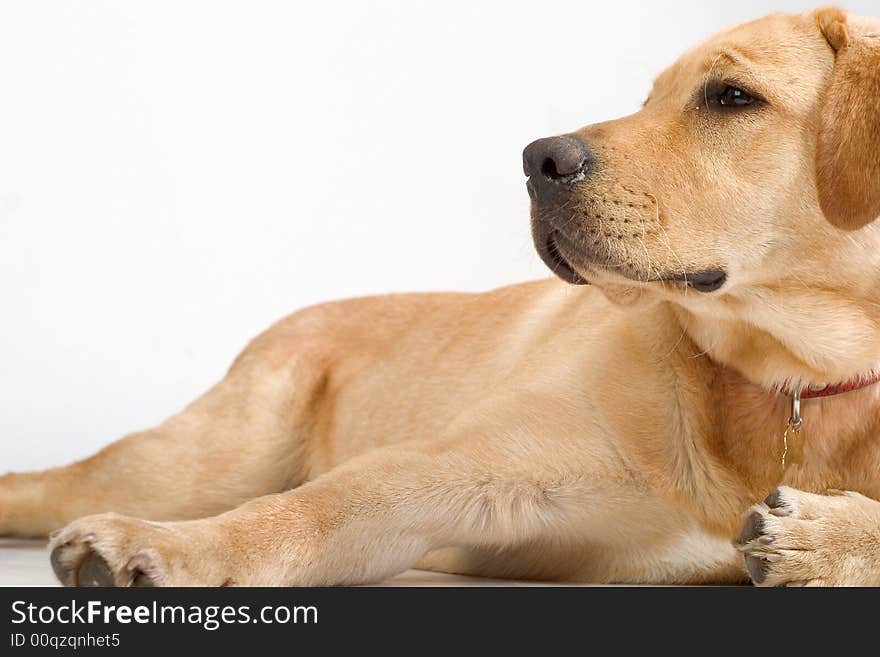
(794, 538)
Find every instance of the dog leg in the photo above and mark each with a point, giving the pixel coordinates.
(240, 440)
(366, 520)
(794, 538)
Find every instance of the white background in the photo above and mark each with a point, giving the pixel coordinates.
(174, 176)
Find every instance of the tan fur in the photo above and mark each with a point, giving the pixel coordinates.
(609, 433)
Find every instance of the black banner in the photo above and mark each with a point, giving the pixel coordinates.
(130, 621)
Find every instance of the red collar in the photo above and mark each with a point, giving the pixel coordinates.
(862, 381)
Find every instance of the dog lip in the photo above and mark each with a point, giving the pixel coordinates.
(548, 249)
(707, 280)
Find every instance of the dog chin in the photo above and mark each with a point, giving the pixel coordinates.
(624, 293)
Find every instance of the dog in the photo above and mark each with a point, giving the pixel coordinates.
(727, 346)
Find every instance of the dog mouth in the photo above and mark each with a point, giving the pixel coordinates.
(550, 246)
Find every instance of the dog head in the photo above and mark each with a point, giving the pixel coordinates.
(744, 191)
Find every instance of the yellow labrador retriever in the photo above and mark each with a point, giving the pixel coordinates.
(727, 346)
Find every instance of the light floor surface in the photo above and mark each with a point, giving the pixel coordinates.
(26, 563)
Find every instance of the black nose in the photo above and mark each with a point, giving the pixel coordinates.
(554, 163)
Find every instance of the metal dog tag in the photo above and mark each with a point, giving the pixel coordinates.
(793, 439)
(793, 445)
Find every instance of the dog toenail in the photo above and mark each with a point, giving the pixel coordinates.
(757, 568)
(752, 529)
(64, 574)
(95, 571)
(142, 580)
(774, 499)
(766, 540)
(780, 512)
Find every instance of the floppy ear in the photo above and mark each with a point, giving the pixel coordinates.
(848, 147)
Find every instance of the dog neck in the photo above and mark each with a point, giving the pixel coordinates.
(817, 359)
(840, 434)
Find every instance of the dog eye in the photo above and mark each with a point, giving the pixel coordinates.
(733, 97)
